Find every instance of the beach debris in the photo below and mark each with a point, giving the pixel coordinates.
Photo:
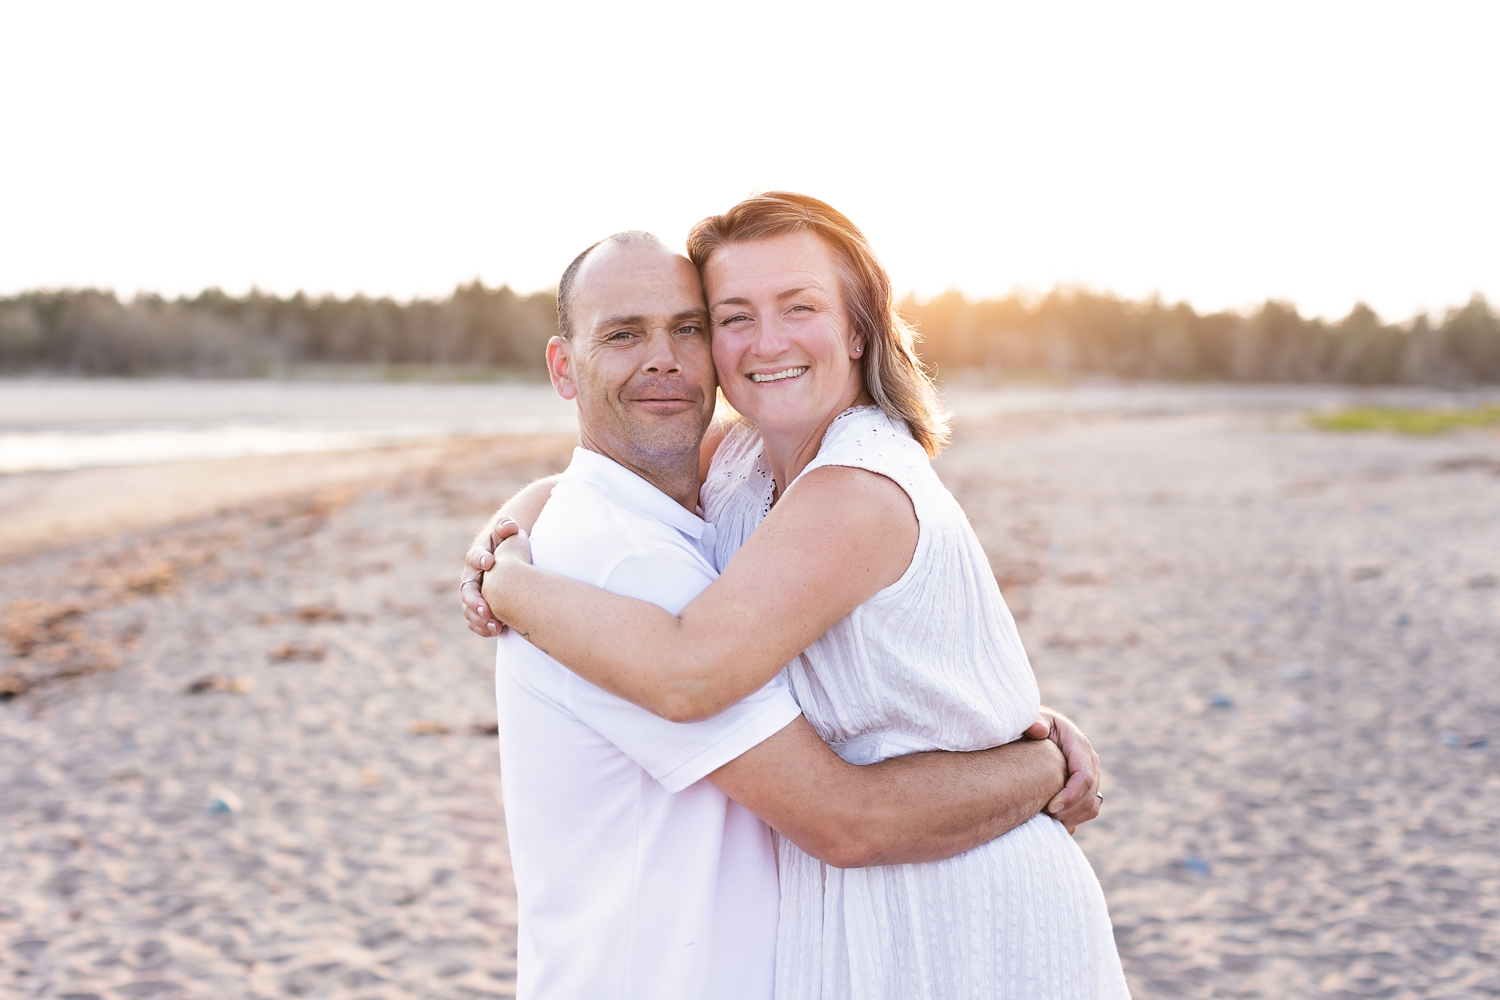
(1221, 701)
(1367, 573)
(48, 642)
(318, 613)
(158, 576)
(429, 727)
(1476, 742)
(1294, 672)
(292, 651)
(1083, 579)
(216, 682)
(1483, 580)
(1468, 464)
(1193, 864)
(225, 801)
(1403, 620)
(484, 729)
(1448, 738)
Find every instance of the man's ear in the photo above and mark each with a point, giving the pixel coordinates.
(560, 367)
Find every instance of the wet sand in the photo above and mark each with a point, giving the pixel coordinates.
(1285, 644)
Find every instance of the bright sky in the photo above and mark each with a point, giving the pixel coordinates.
(1321, 153)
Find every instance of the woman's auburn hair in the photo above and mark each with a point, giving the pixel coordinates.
(894, 376)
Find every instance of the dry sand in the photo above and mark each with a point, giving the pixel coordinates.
(1284, 643)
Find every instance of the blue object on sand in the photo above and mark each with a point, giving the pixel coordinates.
(225, 801)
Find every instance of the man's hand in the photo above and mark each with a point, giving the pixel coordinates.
(481, 557)
(1080, 799)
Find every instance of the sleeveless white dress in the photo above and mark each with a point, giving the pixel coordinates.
(932, 662)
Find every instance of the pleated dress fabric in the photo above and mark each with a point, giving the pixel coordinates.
(932, 662)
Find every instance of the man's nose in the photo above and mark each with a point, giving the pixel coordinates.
(661, 355)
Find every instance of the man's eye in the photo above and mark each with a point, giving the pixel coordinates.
(690, 329)
(621, 335)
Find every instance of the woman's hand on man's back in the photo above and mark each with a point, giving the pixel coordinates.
(520, 512)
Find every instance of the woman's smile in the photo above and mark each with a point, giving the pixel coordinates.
(782, 375)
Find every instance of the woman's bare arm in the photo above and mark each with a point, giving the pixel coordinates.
(837, 537)
(523, 508)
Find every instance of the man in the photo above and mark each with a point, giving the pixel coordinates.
(643, 866)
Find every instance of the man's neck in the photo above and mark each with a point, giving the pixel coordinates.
(676, 476)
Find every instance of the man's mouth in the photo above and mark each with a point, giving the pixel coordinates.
(780, 376)
(662, 401)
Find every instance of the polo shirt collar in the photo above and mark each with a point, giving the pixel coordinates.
(629, 488)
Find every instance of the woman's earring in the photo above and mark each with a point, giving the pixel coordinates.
(859, 348)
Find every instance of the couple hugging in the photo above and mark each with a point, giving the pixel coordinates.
(766, 725)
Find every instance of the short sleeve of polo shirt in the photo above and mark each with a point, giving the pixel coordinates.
(677, 753)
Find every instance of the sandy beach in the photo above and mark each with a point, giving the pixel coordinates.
(248, 749)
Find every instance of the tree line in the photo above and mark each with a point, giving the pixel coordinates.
(1066, 333)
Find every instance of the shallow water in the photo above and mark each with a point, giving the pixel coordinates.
(56, 424)
(49, 424)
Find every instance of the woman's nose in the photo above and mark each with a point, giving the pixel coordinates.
(771, 340)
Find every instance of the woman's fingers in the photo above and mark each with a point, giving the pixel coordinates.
(477, 561)
(515, 545)
(477, 612)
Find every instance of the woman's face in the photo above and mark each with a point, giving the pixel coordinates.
(781, 338)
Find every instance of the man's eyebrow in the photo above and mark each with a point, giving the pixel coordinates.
(620, 321)
(615, 322)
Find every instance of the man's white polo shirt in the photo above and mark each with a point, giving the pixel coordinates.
(635, 877)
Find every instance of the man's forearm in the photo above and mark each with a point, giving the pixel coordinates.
(924, 807)
(929, 806)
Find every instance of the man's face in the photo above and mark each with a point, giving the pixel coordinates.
(638, 360)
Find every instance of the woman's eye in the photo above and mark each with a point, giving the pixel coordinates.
(802, 308)
(736, 318)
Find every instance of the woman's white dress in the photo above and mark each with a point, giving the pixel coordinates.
(931, 662)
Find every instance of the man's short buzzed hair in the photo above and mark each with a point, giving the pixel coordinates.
(565, 286)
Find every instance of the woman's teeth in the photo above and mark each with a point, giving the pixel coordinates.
(784, 374)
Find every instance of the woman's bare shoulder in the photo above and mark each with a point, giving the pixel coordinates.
(858, 496)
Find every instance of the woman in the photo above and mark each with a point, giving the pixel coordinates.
(844, 556)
